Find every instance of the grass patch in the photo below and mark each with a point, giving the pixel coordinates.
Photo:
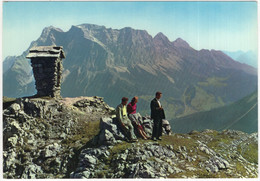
(119, 148)
(219, 140)
(204, 100)
(213, 133)
(84, 132)
(214, 81)
(8, 101)
(250, 153)
(44, 98)
(240, 169)
(176, 140)
(200, 173)
(79, 138)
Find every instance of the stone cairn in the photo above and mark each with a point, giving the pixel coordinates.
(47, 69)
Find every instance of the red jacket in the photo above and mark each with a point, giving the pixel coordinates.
(131, 108)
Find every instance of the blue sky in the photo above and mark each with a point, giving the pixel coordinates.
(230, 26)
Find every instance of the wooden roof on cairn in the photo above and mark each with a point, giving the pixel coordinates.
(46, 51)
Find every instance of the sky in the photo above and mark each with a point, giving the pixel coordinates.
(229, 26)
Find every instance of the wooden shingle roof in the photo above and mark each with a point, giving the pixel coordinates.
(46, 51)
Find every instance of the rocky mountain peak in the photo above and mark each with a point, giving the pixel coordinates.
(47, 37)
(161, 40)
(76, 30)
(47, 30)
(180, 43)
(161, 37)
(133, 33)
(91, 26)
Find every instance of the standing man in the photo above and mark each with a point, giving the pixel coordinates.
(157, 114)
(124, 121)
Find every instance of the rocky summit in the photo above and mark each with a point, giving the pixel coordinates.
(79, 138)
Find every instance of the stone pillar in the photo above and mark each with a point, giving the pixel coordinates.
(47, 70)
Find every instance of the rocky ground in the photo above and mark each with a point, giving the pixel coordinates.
(78, 138)
(42, 136)
(208, 154)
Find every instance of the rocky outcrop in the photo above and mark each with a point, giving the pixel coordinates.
(111, 134)
(41, 135)
(136, 161)
(148, 159)
(79, 138)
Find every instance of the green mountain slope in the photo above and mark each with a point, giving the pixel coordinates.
(241, 115)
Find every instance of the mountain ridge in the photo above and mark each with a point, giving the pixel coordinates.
(128, 62)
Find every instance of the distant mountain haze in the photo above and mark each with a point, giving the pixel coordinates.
(249, 57)
(114, 63)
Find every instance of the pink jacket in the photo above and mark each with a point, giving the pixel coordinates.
(131, 108)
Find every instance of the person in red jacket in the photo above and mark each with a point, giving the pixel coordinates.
(135, 117)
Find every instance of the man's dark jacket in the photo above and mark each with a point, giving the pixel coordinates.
(156, 113)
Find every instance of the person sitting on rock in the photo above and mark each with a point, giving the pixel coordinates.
(124, 122)
(136, 118)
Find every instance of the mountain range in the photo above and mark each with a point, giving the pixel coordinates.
(113, 63)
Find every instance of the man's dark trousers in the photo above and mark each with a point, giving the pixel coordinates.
(157, 128)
